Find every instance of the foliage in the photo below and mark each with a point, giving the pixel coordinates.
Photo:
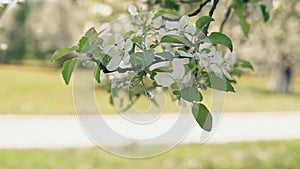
(172, 54)
(17, 50)
(28, 34)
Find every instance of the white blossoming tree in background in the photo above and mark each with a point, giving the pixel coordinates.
(165, 50)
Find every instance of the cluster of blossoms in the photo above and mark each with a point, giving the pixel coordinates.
(157, 51)
(170, 53)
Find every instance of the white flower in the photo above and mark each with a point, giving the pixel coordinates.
(182, 26)
(230, 58)
(204, 58)
(118, 52)
(132, 10)
(185, 54)
(164, 79)
(178, 75)
(214, 61)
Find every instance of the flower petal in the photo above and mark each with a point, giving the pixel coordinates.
(178, 68)
(217, 58)
(216, 69)
(164, 79)
(126, 58)
(114, 63)
(107, 48)
(230, 58)
(225, 72)
(159, 64)
(110, 50)
(183, 53)
(190, 29)
(119, 40)
(128, 45)
(184, 21)
(187, 77)
(172, 25)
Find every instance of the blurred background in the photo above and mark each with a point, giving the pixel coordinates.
(31, 30)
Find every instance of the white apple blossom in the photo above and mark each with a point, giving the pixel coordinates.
(214, 61)
(182, 26)
(178, 75)
(118, 52)
(176, 28)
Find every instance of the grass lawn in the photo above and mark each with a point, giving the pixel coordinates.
(36, 90)
(262, 155)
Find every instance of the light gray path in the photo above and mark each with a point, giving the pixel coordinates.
(64, 131)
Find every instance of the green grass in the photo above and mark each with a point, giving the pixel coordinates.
(253, 95)
(38, 90)
(262, 155)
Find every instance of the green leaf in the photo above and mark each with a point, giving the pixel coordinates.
(154, 45)
(152, 74)
(245, 64)
(137, 79)
(191, 94)
(82, 43)
(170, 4)
(131, 95)
(220, 38)
(176, 39)
(265, 12)
(202, 21)
(111, 100)
(215, 82)
(164, 69)
(142, 58)
(240, 8)
(137, 39)
(177, 93)
(136, 58)
(154, 84)
(62, 52)
(68, 69)
(236, 72)
(166, 55)
(165, 12)
(148, 57)
(245, 25)
(105, 59)
(202, 116)
(90, 41)
(97, 72)
(91, 32)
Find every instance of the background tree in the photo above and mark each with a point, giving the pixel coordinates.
(16, 35)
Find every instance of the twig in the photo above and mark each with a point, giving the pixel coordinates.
(188, 1)
(105, 70)
(121, 70)
(170, 19)
(197, 11)
(226, 18)
(211, 12)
